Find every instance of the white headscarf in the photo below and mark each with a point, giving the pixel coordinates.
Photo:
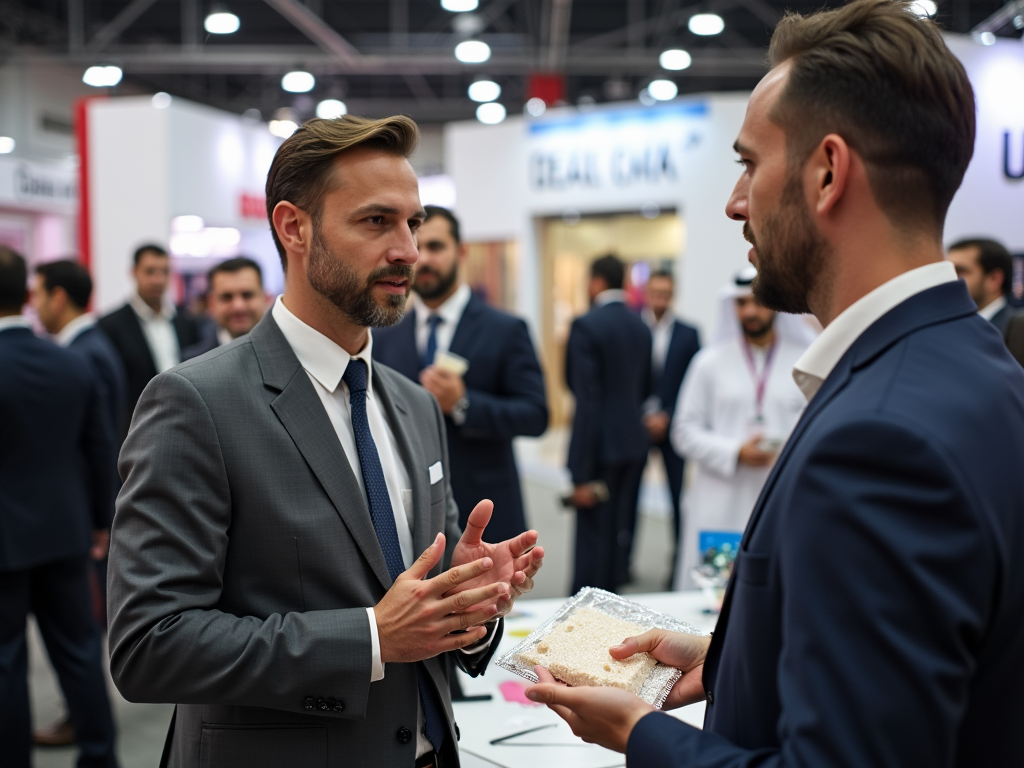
(798, 328)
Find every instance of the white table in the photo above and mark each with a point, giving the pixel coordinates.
(553, 744)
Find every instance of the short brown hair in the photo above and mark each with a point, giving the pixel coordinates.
(301, 171)
(883, 79)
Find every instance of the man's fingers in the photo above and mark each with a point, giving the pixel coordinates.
(476, 522)
(523, 543)
(431, 556)
(461, 601)
(461, 640)
(469, 619)
(453, 577)
(646, 642)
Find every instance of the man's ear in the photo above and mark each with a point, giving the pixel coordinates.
(829, 168)
(294, 229)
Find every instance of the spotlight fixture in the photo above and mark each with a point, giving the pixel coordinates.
(490, 113)
(536, 107)
(460, 6)
(706, 24)
(329, 109)
(662, 90)
(298, 82)
(472, 52)
(675, 59)
(102, 77)
(6, 145)
(924, 8)
(282, 128)
(484, 90)
(221, 23)
(161, 100)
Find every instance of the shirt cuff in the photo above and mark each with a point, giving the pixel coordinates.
(376, 665)
(482, 645)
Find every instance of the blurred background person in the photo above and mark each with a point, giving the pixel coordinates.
(148, 332)
(986, 266)
(737, 406)
(1015, 337)
(500, 394)
(56, 495)
(608, 370)
(674, 343)
(236, 301)
(60, 296)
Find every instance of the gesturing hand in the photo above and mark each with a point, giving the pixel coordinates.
(516, 561)
(416, 616)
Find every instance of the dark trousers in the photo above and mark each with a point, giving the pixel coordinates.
(59, 595)
(675, 467)
(604, 533)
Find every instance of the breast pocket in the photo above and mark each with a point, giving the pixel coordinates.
(240, 746)
(753, 569)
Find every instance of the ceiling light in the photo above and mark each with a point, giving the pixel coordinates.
(1018, 22)
(298, 82)
(662, 90)
(987, 38)
(536, 107)
(102, 77)
(923, 8)
(221, 23)
(6, 145)
(490, 113)
(187, 223)
(472, 52)
(329, 109)
(161, 100)
(460, 6)
(282, 128)
(484, 90)
(706, 24)
(675, 59)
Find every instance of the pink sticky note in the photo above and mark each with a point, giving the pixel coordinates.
(516, 692)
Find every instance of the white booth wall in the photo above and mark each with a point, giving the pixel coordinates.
(499, 198)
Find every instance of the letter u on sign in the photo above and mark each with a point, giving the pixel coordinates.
(1007, 171)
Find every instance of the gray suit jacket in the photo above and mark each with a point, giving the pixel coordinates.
(243, 558)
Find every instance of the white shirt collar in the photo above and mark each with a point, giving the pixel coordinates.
(13, 321)
(320, 357)
(224, 336)
(167, 310)
(450, 311)
(817, 362)
(667, 318)
(989, 310)
(609, 296)
(74, 329)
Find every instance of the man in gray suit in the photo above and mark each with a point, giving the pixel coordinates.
(262, 572)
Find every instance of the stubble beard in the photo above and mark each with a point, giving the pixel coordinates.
(346, 289)
(441, 287)
(792, 255)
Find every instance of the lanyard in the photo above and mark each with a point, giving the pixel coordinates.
(760, 382)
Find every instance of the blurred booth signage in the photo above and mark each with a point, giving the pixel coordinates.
(252, 206)
(1013, 169)
(32, 185)
(621, 148)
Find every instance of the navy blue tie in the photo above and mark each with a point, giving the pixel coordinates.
(431, 349)
(383, 519)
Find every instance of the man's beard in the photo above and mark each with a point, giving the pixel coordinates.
(758, 331)
(340, 284)
(441, 287)
(791, 254)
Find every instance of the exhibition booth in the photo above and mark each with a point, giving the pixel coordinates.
(38, 208)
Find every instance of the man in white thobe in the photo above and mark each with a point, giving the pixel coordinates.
(737, 406)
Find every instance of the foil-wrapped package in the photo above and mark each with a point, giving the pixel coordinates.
(656, 683)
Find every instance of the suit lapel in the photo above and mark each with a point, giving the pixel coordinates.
(408, 358)
(465, 331)
(299, 408)
(137, 338)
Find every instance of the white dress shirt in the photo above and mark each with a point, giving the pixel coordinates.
(159, 332)
(450, 313)
(609, 296)
(661, 333)
(14, 321)
(814, 366)
(74, 329)
(989, 310)
(224, 336)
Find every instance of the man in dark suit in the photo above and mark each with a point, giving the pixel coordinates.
(56, 494)
(674, 343)
(987, 267)
(235, 300)
(1015, 337)
(498, 397)
(608, 369)
(873, 617)
(148, 332)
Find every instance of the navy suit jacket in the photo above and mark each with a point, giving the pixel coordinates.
(608, 369)
(56, 455)
(111, 383)
(505, 389)
(874, 616)
(208, 341)
(683, 345)
(1001, 319)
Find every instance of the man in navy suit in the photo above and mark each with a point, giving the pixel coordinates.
(987, 268)
(674, 343)
(874, 613)
(236, 302)
(608, 369)
(498, 397)
(56, 495)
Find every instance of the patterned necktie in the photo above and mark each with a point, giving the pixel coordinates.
(431, 349)
(383, 519)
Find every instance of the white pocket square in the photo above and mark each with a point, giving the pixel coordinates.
(436, 473)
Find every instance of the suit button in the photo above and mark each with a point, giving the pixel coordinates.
(309, 703)
(404, 735)
(322, 704)
(711, 698)
(338, 706)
